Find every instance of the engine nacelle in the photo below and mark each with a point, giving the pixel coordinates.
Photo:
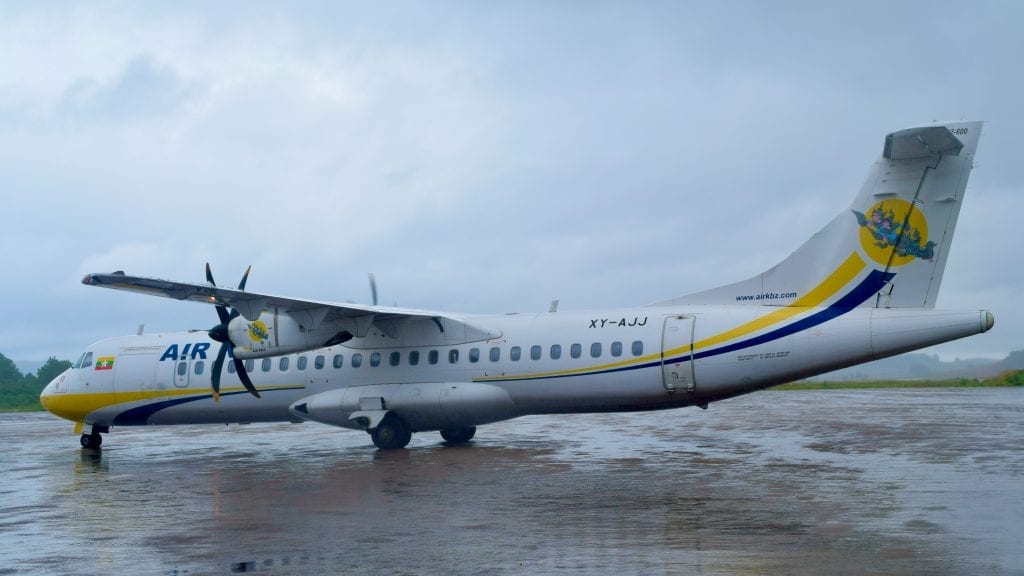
(275, 333)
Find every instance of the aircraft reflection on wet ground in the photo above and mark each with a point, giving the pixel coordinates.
(890, 481)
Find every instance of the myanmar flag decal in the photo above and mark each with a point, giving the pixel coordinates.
(105, 363)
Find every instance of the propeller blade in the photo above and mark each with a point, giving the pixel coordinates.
(220, 334)
(373, 288)
(218, 364)
(222, 313)
(244, 377)
(245, 277)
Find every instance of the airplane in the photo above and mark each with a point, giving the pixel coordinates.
(862, 288)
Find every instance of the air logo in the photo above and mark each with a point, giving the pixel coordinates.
(197, 351)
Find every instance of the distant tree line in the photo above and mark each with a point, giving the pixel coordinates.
(21, 391)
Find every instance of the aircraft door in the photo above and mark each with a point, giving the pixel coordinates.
(677, 354)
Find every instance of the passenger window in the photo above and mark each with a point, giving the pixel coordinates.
(638, 348)
(495, 354)
(535, 352)
(432, 357)
(453, 356)
(414, 358)
(595, 350)
(616, 349)
(395, 358)
(250, 365)
(318, 362)
(198, 369)
(357, 360)
(282, 365)
(266, 364)
(375, 359)
(575, 350)
(515, 353)
(338, 361)
(556, 351)
(302, 363)
(182, 368)
(474, 355)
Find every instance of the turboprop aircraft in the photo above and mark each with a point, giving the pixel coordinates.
(862, 288)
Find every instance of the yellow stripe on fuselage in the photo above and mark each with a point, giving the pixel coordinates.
(77, 407)
(840, 277)
(584, 370)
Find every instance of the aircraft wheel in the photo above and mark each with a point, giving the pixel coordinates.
(93, 440)
(458, 435)
(392, 433)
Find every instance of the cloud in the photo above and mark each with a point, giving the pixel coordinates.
(143, 88)
(475, 159)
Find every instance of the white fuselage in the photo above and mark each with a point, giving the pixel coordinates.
(612, 360)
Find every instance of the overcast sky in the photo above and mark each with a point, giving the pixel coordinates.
(477, 156)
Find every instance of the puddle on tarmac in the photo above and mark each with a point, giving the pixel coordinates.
(850, 482)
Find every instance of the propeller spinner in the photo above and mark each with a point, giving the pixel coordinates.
(220, 334)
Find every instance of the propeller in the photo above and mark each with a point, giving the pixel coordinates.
(220, 334)
(373, 288)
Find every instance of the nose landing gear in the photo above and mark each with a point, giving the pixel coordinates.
(93, 440)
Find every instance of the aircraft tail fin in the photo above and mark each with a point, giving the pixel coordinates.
(889, 248)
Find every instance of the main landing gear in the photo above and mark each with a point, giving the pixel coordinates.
(392, 433)
(459, 435)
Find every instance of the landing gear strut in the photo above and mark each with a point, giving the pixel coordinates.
(93, 440)
(391, 433)
(458, 435)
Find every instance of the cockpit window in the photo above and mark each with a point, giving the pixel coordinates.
(78, 363)
(87, 360)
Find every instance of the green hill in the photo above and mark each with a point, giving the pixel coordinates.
(1010, 378)
(20, 392)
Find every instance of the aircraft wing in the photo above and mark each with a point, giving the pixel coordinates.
(251, 304)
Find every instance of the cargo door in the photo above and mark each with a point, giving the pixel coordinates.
(677, 354)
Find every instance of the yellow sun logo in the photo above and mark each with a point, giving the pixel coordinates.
(258, 331)
(894, 232)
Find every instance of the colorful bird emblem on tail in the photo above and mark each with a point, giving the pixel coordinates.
(895, 234)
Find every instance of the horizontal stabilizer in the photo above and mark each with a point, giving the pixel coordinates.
(921, 142)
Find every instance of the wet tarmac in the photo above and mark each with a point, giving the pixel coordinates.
(837, 482)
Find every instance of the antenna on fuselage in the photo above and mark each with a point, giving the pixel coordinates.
(554, 306)
(142, 328)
